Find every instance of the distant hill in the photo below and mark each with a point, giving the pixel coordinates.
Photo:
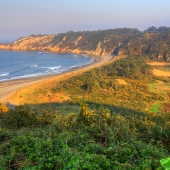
(154, 42)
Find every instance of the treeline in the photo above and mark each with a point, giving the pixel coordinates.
(152, 42)
(154, 29)
(155, 44)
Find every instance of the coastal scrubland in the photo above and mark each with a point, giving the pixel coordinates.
(112, 117)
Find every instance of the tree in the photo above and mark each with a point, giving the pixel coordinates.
(152, 28)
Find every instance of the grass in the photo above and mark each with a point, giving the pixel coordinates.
(155, 108)
(164, 68)
(152, 86)
(64, 108)
(161, 86)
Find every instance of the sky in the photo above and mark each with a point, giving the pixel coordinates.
(19, 18)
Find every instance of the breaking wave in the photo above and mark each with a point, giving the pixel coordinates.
(34, 66)
(52, 68)
(30, 64)
(4, 74)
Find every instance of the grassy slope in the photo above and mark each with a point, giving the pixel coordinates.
(161, 86)
(111, 91)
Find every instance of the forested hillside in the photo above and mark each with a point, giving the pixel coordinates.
(152, 42)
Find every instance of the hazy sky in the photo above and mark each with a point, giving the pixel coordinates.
(24, 17)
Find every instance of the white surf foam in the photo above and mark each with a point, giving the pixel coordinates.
(26, 76)
(34, 66)
(52, 68)
(4, 74)
(4, 80)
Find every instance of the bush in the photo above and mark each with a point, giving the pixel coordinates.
(3, 108)
(20, 116)
(90, 139)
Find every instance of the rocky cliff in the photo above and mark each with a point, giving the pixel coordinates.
(103, 42)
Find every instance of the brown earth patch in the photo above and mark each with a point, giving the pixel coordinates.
(166, 107)
(121, 81)
(159, 73)
(159, 64)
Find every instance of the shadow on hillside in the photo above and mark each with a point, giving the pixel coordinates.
(117, 110)
(67, 108)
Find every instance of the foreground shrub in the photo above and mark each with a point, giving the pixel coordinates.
(166, 163)
(23, 116)
(36, 150)
(91, 139)
(19, 117)
(3, 108)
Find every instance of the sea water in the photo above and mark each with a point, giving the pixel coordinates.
(19, 64)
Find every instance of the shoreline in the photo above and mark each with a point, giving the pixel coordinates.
(9, 88)
(34, 75)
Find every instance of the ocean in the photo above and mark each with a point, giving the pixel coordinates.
(27, 64)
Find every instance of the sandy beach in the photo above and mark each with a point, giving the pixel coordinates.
(9, 89)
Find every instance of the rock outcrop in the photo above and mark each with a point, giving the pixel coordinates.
(107, 42)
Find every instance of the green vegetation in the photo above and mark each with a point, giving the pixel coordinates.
(152, 86)
(156, 108)
(90, 139)
(163, 68)
(111, 125)
(115, 86)
(90, 39)
(166, 163)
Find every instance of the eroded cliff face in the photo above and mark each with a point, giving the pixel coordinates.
(28, 43)
(45, 43)
(86, 42)
(122, 41)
